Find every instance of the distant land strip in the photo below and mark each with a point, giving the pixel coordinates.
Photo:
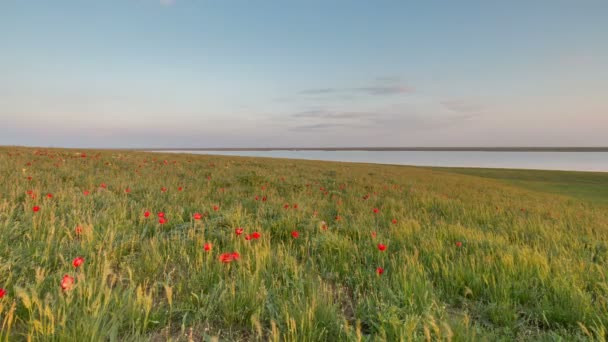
(430, 149)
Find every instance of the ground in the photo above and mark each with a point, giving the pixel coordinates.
(328, 251)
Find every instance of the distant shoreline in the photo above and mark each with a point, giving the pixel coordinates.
(422, 149)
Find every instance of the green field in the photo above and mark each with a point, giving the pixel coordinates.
(470, 254)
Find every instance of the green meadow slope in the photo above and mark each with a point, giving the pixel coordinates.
(327, 251)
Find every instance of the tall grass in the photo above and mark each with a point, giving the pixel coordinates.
(466, 258)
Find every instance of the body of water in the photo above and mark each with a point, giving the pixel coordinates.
(573, 161)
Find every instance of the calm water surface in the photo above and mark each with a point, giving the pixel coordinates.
(575, 161)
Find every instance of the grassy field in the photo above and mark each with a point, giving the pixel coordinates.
(261, 249)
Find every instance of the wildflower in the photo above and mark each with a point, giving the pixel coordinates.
(36, 208)
(238, 231)
(2, 292)
(374, 235)
(161, 214)
(216, 208)
(255, 235)
(229, 257)
(264, 198)
(376, 210)
(458, 244)
(146, 214)
(379, 270)
(248, 237)
(128, 190)
(207, 247)
(103, 186)
(67, 282)
(381, 247)
(197, 216)
(86, 192)
(257, 198)
(77, 261)
(394, 221)
(295, 234)
(78, 230)
(295, 206)
(163, 189)
(286, 206)
(49, 195)
(162, 220)
(180, 188)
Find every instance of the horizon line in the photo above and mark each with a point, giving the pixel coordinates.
(353, 148)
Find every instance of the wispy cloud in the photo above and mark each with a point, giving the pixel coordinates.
(326, 114)
(369, 90)
(461, 106)
(318, 126)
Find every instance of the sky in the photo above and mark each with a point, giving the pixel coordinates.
(228, 73)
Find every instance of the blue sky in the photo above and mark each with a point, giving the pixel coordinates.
(186, 73)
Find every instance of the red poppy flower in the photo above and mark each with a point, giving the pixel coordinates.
(197, 216)
(323, 225)
(295, 234)
(255, 235)
(30, 192)
(78, 230)
(379, 270)
(49, 195)
(127, 190)
(103, 185)
(376, 210)
(2, 292)
(394, 221)
(248, 237)
(86, 192)
(338, 218)
(29, 177)
(295, 206)
(458, 244)
(36, 208)
(180, 188)
(229, 257)
(374, 235)
(207, 247)
(162, 220)
(216, 208)
(163, 189)
(161, 214)
(381, 247)
(286, 205)
(257, 198)
(238, 231)
(264, 199)
(146, 214)
(67, 282)
(78, 261)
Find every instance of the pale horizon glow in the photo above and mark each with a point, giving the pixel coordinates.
(185, 73)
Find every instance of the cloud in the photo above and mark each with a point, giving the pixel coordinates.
(370, 90)
(321, 126)
(461, 106)
(331, 115)
(317, 91)
(384, 90)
